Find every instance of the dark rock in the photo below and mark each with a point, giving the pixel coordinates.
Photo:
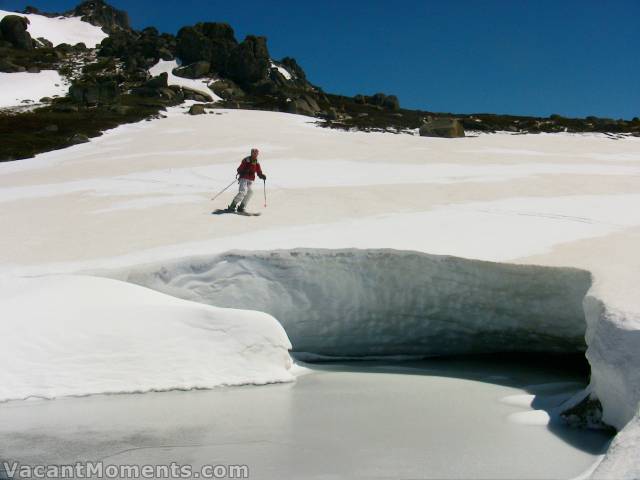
(227, 89)
(442, 127)
(99, 13)
(292, 66)
(209, 42)
(94, 92)
(46, 100)
(391, 102)
(165, 54)
(33, 70)
(120, 109)
(44, 42)
(64, 48)
(158, 82)
(6, 66)
(303, 105)
(194, 70)
(78, 138)
(167, 93)
(65, 108)
(14, 30)
(249, 63)
(197, 109)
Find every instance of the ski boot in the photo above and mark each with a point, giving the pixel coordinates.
(232, 208)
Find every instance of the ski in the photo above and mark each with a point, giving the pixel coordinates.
(221, 211)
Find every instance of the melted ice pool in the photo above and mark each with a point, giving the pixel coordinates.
(453, 418)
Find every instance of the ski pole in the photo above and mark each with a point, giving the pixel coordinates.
(264, 185)
(225, 188)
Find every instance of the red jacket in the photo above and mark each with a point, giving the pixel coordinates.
(248, 170)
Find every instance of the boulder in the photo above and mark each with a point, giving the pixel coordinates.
(197, 109)
(161, 81)
(442, 127)
(249, 63)
(14, 30)
(303, 105)
(227, 89)
(78, 138)
(193, 70)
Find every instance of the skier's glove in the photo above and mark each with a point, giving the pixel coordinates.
(263, 177)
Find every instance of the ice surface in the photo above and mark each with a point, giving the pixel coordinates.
(59, 30)
(79, 335)
(385, 302)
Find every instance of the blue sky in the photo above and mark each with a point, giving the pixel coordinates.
(573, 58)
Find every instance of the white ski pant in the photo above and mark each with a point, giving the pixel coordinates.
(244, 193)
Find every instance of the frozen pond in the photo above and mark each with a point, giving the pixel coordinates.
(453, 418)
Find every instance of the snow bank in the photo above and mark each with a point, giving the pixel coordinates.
(22, 87)
(613, 338)
(384, 302)
(77, 335)
(59, 30)
(167, 66)
(621, 461)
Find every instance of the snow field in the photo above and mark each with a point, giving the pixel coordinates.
(22, 88)
(59, 30)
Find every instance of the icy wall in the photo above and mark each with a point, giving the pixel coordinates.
(387, 302)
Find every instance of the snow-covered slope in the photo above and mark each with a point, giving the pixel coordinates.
(351, 303)
(167, 66)
(26, 88)
(141, 194)
(76, 335)
(59, 30)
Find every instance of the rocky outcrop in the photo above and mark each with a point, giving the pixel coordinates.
(14, 31)
(94, 91)
(249, 62)
(139, 50)
(442, 127)
(99, 13)
(389, 102)
(208, 42)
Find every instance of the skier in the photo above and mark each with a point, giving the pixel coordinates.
(247, 174)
